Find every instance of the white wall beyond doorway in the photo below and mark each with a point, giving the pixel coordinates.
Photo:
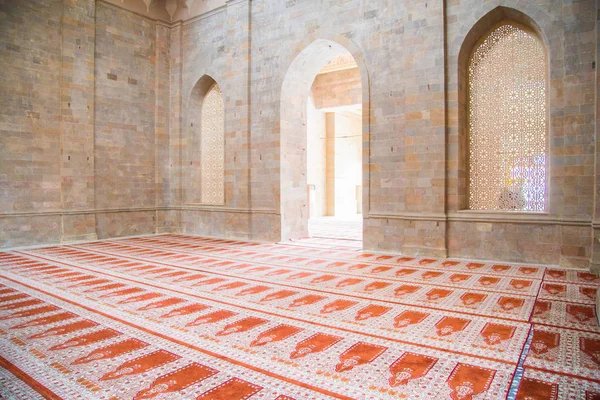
(348, 163)
(334, 161)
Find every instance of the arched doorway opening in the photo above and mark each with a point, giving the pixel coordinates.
(324, 118)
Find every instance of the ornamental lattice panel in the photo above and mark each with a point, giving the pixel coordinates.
(212, 147)
(508, 122)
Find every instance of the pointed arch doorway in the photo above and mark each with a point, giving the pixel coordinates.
(323, 126)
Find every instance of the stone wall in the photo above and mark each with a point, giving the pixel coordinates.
(85, 131)
(595, 261)
(44, 122)
(125, 122)
(337, 88)
(101, 147)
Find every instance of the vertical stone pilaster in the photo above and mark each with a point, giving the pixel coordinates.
(330, 163)
(161, 127)
(77, 120)
(578, 146)
(174, 194)
(424, 127)
(237, 105)
(125, 122)
(595, 258)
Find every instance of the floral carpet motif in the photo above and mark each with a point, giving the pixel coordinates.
(183, 317)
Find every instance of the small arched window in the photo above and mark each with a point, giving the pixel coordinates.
(212, 147)
(507, 121)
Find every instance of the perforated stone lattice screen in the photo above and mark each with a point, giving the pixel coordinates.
(508, 121)
(212, 147)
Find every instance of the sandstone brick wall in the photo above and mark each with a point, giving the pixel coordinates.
(77, 124)
(125, 121)
(338, 88)
(96, 114)
(595, 261)
(80, 164)
(162, 142)
(31, 109)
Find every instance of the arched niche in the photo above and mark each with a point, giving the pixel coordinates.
(205, 144)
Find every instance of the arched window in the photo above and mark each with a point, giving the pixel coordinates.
(212, 147)
(507, 121)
